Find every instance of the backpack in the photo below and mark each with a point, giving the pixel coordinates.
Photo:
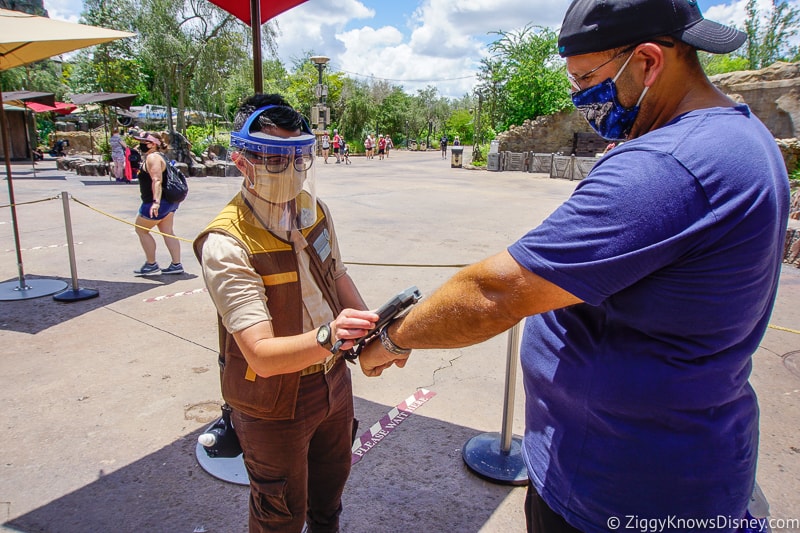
(174, 188)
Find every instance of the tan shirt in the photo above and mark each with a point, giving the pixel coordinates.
(238, 291)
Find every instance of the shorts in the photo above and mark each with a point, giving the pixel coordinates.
(335, 149)
(380, 151)
(164, 209)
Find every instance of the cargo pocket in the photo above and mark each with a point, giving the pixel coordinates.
(270, 502)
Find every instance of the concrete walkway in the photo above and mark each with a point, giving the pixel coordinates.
(103, 399)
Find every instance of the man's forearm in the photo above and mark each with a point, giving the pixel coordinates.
(479, 302)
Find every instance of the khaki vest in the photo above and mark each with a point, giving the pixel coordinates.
(275, 261)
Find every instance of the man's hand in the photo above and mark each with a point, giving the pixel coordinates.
(374, 359)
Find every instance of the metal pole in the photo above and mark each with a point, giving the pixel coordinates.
(255, 28)
(76, 293)
(511, 380)
(20, 290)
(498, 456)
(6, 152)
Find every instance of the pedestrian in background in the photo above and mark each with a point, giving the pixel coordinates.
(155, 210)
(118, 147)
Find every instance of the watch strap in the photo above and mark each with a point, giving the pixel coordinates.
(390, 346)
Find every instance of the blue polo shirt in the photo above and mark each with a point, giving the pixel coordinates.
(638, 401)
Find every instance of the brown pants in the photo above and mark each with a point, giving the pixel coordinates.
(298, 467)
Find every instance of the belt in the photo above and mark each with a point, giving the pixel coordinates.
(320, 367)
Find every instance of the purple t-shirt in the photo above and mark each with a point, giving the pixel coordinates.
(638, 401)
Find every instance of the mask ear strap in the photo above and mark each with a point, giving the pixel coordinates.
(625, 64)
(644, 92)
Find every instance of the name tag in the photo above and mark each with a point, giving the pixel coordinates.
(322, 245)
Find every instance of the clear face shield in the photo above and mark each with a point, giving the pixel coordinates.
(278, 176)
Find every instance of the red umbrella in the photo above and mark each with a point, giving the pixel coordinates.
(62, 108)
(256, 10)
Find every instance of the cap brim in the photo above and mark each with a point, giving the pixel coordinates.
(712, 37)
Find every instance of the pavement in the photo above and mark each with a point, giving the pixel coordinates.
(103, 399)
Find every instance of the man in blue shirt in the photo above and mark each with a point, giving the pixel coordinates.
(646, 292)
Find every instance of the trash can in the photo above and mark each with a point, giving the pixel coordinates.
(455, 156)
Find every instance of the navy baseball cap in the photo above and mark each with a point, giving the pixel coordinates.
(597, 25)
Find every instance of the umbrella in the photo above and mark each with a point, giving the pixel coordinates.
(24, 39)
(122, 100)
(255, 14)
(26, 99)
(61, 108)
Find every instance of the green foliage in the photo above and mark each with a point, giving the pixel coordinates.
(202, 136)
(722, 63)
(103, 148)
(794, 175)
(526, 67)
(461, 123)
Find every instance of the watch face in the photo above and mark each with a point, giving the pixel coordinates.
(324, 334)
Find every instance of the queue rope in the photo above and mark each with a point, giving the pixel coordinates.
(17, 204)
(358, 263)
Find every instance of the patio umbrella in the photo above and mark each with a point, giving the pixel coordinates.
(24, 39)
(25, 99)
(122, 100)
(254, 14)
(59, 108)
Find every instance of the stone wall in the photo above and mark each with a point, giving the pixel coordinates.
(772, 93)
(549, 134)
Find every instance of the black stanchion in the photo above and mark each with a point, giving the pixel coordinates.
(498, 456)
(75, 293)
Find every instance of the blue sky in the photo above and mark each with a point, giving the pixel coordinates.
(414, 43)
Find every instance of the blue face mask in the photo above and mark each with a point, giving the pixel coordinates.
(601, 108)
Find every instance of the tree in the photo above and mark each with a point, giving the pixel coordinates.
(180, 39)
(771, 43)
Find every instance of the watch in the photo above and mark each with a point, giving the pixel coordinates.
(389, 346)
(325, 337)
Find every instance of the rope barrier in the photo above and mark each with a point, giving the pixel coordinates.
(781, 328)
(109, 215)
(17, 204)
(403, 265)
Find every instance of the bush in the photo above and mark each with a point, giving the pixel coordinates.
(202, 136)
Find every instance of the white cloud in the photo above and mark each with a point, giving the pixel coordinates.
(441, 39)
(69, 10)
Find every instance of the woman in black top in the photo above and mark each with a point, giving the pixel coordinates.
(155, 211)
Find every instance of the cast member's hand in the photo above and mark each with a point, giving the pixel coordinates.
(351, 325)
(374, 359)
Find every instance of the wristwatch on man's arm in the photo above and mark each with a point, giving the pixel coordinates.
(390, 346)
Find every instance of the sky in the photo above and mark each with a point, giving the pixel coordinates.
(415, 43)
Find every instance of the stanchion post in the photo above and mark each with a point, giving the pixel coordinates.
(75, 293)
(498, 456)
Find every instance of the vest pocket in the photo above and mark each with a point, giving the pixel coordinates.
(270, 398)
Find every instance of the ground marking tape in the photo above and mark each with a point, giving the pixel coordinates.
(184, 293)
(388, 422)
(41, 247)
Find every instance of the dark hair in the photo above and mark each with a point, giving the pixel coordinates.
(284, 116)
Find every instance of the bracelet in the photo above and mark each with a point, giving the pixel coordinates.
(389, 346)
